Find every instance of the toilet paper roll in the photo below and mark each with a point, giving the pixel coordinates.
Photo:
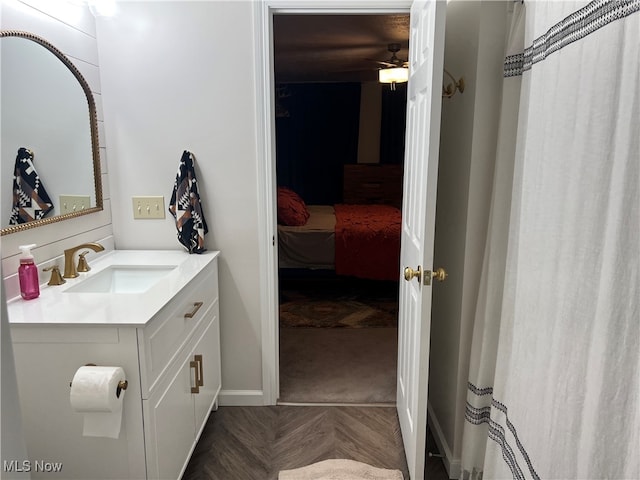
(93, 393)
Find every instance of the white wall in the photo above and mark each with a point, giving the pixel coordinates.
(176, 76)
(70, 28)
(474, 49)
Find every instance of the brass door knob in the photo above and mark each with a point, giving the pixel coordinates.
(439, 274)
(410, 273)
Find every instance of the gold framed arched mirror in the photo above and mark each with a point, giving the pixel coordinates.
(49, 111)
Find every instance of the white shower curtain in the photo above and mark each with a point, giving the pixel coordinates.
(554, 373)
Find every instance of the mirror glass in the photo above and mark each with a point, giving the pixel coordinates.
(47, 109)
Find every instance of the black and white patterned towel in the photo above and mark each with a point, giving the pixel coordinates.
(30, 199)
(186, 208)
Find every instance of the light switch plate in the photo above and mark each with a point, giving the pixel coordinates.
(74, 203)
(148, 207)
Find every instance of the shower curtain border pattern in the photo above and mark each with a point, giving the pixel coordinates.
(572, 28)
(480, 415)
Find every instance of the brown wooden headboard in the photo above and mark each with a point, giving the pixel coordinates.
(367, 184)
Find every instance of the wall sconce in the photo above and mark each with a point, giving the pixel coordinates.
(393, 75)
(450, 89)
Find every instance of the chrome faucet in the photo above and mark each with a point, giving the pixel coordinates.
(69, 265)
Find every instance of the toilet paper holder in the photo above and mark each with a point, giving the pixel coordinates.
(122, 384)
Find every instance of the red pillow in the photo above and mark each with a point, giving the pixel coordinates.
(292, 210)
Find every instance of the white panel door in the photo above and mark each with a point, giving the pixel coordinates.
(426, 49)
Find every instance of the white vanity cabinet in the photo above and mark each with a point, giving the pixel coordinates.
(171, 360)
(180, 386)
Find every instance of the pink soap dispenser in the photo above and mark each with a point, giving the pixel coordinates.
(28, 274)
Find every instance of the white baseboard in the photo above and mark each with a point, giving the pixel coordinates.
(450, 463)
(241, 398)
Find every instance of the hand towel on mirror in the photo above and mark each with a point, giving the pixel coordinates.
(186, 208)
(30, 199)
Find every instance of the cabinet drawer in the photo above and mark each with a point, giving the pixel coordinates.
(162, 338)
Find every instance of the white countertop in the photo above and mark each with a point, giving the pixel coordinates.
(54, 306)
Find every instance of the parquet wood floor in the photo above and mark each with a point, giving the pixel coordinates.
(255, 443)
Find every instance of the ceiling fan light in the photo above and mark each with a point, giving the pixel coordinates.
(393, 75)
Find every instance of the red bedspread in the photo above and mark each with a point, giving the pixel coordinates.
(368, 241)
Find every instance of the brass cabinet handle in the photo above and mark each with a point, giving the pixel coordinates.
(198, 359)
(196, 307)
(194, 364)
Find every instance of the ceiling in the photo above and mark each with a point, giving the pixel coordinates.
(335, 48)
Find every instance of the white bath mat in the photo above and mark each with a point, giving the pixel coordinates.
(339, 469)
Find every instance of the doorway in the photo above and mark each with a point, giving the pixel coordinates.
(457, 147)
(339, 138)
(427, 25)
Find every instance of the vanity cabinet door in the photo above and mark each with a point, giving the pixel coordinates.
(179, 405)
(169, 429)
(209, 354)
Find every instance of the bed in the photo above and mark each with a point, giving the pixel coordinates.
(359, 237)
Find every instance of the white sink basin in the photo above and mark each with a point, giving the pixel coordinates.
(122, 279)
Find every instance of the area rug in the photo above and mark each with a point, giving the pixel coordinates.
(339, 469)
(336, 314)
(338, 304)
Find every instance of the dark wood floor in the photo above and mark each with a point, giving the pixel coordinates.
(255, 443)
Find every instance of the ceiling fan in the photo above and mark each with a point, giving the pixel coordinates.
(395, 70)
(394, 61)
